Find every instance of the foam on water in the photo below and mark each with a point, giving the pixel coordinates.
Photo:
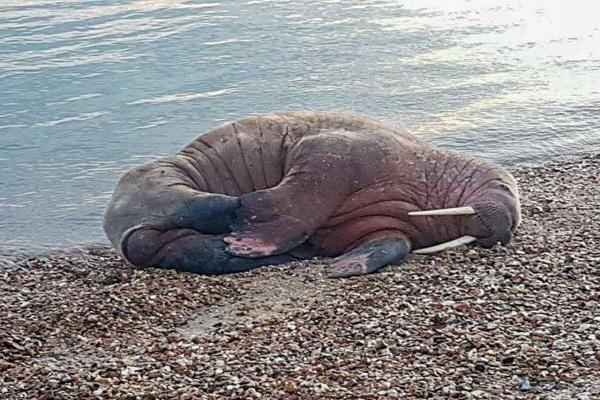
(89, 89)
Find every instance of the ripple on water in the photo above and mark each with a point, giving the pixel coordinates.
(183, 97)
(227, 41)
(80, 117)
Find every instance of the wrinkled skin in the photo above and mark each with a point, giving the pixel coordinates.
(281, 187)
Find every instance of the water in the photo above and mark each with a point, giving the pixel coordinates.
(89, 89)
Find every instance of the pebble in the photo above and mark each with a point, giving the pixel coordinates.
(525, 385)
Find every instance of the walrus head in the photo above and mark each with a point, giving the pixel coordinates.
(490, 216)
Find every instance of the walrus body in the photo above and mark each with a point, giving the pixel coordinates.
(279, 187)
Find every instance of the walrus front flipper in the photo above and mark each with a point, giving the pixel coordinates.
(370, 256)
(262, 230)
(276, 220)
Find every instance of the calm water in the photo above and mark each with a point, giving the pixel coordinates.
(90, 88)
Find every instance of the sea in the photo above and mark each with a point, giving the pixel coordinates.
(89, 89)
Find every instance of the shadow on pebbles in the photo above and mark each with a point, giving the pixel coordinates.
(515, 322)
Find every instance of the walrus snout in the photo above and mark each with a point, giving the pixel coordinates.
(497, 213)
(493, 223)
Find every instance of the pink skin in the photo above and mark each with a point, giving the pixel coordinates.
(357, 265)
(489, 189)
(249, 246)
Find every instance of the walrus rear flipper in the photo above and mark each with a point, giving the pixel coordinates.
(189, 251)
(370, 256)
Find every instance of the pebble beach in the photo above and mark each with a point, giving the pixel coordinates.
(515, 322)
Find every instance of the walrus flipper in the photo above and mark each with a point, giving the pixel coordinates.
(276, 220)
(207, 213)
(189, 251)
(370, 256)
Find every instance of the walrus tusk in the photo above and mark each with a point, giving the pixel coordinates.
(446, 245)
(446, 211)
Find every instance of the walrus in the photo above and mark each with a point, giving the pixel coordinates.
(275, 188)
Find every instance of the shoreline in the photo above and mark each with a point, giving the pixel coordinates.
(469, 323)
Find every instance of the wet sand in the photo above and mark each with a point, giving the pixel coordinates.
(516, 322)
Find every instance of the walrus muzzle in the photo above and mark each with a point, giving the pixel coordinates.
(494, 217)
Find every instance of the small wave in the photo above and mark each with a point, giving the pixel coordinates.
(24, 194)
(182, 97)
(84, 96)
(227, 41)
(252, 2)
(9, 205)
(76, 98)
(80, 117)
(55, 61)
(147, 126)
(12, 126)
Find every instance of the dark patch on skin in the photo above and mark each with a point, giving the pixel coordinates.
(260, 150)
(284, 139)
(246, 170)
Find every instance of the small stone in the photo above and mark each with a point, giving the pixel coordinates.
(478, 394)
(525, 385)
(251, 392)
(4, 365)
(290, 386)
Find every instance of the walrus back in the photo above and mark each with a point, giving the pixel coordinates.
(238, 158)
(250, 154)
